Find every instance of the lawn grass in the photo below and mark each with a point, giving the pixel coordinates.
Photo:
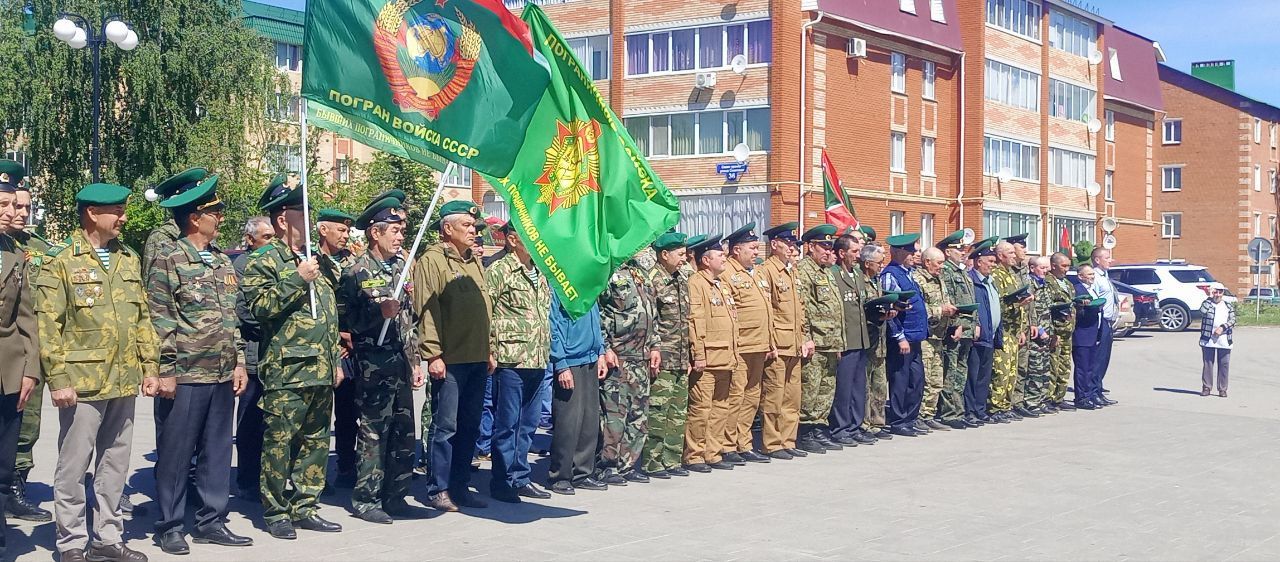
(1245, 316)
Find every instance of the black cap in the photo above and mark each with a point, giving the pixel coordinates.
(747, 233)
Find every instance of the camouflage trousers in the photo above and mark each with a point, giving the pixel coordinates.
(1035, 384)
(817, 387)
(931, 355)
(384, 438)
(877, 393)
(295, 449)
(624, 413)
(668, 401)
(1017, 396)
(1060, 365)
(745, 399)
(1004, 375)
(29, 432)
(425, 441)
(955, 367)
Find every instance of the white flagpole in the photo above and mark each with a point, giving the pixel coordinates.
(306, 201)
(449, 170)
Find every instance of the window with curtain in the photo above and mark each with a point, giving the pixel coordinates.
(682, 134)
(899, 82)
(660, 135)
(711, 47)
(711, 132)
(926, 230)
(1077, 229)
(1005, 224)
(897, 152)
(1072, 169)
(759, 42)
(700, 133)
(722, 212)
(1070, 101)
(593, 53)
(1021, 17)
(661, 44)
(758, 128)
(684, 49)
(637, 54)
(929, 88)
(700, 48)
(1021, 159)
(1071, 33)
(1012, 86)
(897, 222)
(926, 156)
(735, 42)
(638, 128)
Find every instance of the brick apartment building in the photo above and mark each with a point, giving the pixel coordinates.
(1217, 173)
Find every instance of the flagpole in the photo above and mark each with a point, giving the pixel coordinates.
(422, 229)
(306, 202)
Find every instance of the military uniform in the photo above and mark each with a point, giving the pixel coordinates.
(669, 390)
(1035, 385)
(955, 358)
(749, 291)
(626, 321)
(1004, 373)
(1016, 397)
(877, 377)
(934, 291)
(782, 377)
(849, 409)
(824, 316)
(31, 248)
(345, 411)
(1060, 292)
(713, 334)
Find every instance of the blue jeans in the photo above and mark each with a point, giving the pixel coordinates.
(486, 420)
(517, 408)
(545, 397)
(456, 402)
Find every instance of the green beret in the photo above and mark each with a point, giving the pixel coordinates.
(903, 296)
(180, 182)
(967, 308)
(1096, 303)
(1018, 294)
(457, 207)
(670, 241)
(903, 240)
(280, 195)
(11, 174)
(868, 231)
(824, 233)
(397, 193)
(1061, 307)
(881, 304)
(96, 194)
(334, 215)
(953, 240)
(695, 240)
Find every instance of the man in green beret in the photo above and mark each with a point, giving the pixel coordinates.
(1004, 374)
(1059, 291)
(955, 354)
(669, 389)
(298, 366)
(873, 258)
(31, 250)
(451, 301)
(332, 253)
(97, 346)
(824, 326)
(192, 293)
(1035, 385)
(850, 405)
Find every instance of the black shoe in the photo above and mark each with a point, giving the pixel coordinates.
(720, 465)
(904, 431)
(590, 483)
(935, 424)
(1049, 408)
(635, 476)
(956, 424)
(697, 467)
(919, 426)
(505, 495)
(827, 442)
(1039, 411)
(532, 491)
(1065, 406)
(863, 438)
(845, 441)
(380, 517)
(464, 498)
(73, 555)
(318, 524)
(752, 456)
(883, 433)
(798, 453)
(1085, 404)
(282, 529)
(811, 446)
(733, 458)
(782, 455)
(1106, 401)
(612, 478)
(22, 509)
(112, 553)
(660, 475)
(171, 542)
(678, 471)
(1026, 412)
(563, 487)
(396, 508)
(221, 536)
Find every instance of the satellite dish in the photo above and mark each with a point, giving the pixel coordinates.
(1094, 126)
(1094, 189)
(1005, 176)
(1108, 224)
(1095, 56)
(969, 236)
(741, 152)
(738, 64)
(1109, 241)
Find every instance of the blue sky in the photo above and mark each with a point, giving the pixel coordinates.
(1188, 30)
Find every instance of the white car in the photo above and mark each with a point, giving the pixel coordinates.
(1180, 287)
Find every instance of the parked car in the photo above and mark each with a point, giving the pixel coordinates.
(1126, 320)
(1180, 289)
(1137, 308)
(1267, 295)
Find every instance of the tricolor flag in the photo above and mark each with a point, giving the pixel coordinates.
(839, 207)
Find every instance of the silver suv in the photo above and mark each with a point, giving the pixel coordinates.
(1180, 287)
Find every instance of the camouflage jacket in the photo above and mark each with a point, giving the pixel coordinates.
(95, 329)
(364, 284)
(935, 296)
(296, 350)
(332, 268)
(751, 305)
(1013, 316)
(960, 292)
(1023, 274)
(1059, 291)
(627, 314)
(520, 335)
(34, 249)
(159, 236)
(193, 309)
(823, 309)
(1040, 313)
(671, 317)
(451, 300)
(877, 329)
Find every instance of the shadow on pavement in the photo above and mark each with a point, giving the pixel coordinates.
(1176, 390)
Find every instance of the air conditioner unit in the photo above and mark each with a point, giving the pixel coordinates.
(856, 48)
(705, 80)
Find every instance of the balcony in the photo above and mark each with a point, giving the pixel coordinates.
(515, 5)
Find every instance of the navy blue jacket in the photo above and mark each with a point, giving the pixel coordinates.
(1087, 321)
(987, 337)
(913, 324)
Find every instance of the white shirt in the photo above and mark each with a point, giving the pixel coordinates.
(1220, 314)
(1103, 288)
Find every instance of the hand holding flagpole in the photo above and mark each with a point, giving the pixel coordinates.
(449, 170)
(306, 205)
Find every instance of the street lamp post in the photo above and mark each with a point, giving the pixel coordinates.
(75, 31)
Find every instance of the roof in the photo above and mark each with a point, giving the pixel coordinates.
(1136, 55)
(273, 22)
(1257, 108)
(887, 16)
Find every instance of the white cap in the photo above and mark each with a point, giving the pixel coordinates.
(1216, 286)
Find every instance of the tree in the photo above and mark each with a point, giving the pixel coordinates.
(385, 172)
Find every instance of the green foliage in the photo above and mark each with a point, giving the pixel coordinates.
(1084, 249)
(385, 172)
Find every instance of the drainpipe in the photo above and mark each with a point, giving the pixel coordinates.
(804, 35)
(963, 140)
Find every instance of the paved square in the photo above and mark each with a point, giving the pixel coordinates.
(1165, 475)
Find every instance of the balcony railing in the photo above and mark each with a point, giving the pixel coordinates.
(516, 5)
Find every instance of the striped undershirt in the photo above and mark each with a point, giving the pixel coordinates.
(104, 256)
(207, 256)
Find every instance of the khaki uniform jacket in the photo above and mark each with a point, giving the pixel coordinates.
(19, 344)
(713, 333)
(790, 331)
(852, 286)
(451, 299)
(95, 329)
(750, 293)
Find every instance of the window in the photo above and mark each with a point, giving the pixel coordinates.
(1114, 61)
(926, 230)
(1171, 225)
(1070, 101)
(926, 156)
(722, 212)
(1072, 169)
(284, 108)
(1191, 275)
(1109, 186)
(1077, 229)
(17, 156)
(288, 57)
(284, 158)
(593, 53)
(701, 133)
(1013, 86)
(936, 11)
(1021, 159)
(1274, 141)
(699, 48)
(897, 152)
(1257, 177)
(1072, 34)
(1021, 17)
(1271, 221)
(930, 88)
(899, 83)
(1004, 224)
(344, 170)
(461, 177)
(908, 6)
(1171, 178)
(1257, 224)
(1172, 131)
(1137, 276)
(896, 221)
(1257, 131)
(1111, 124)
(1271, 181)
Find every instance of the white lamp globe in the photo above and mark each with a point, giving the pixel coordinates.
(79, 40)
(130, 41)
(117, 31)
(64, 29)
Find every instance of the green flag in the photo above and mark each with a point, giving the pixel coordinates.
(583, 198)
(429, 80)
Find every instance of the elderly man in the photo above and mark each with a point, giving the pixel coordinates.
(713, 350)
(955, 353)
(1022, 272)
(627, 318)
(1035, 386)
(748, 289)
(780, 410)
(872, 261)
(257, 233)
(907, 332)
(1059, 291)
(1090, 323)
(1103, 289)
(941, 314)
(334, 238)
(850, 405)
(988, 334)
(669, 390)
(451, 300)
(1004, 375)
(824, 316)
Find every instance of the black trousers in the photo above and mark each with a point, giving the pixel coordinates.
(850, 406)
(10, 424)
(456, 403)
(575, 413)
(977, 388)
(345, 414)
(198, 417)
(906, 385)
(249, 426)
